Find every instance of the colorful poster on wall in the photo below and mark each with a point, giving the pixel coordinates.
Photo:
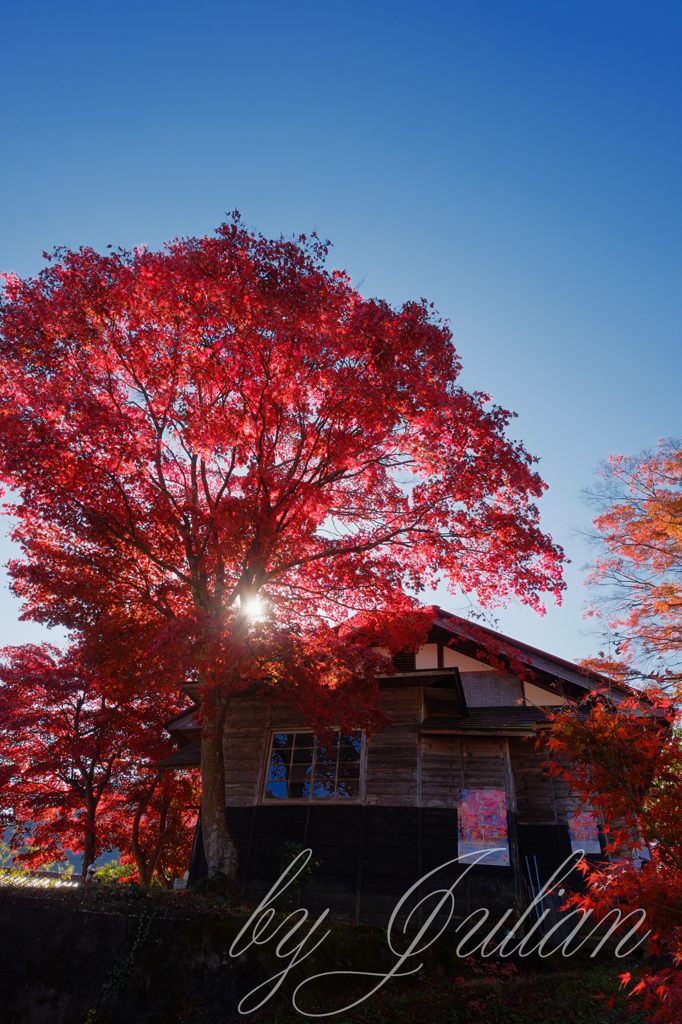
(482, 823)
(584, 830)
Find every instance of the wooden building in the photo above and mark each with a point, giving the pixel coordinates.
(457, 770)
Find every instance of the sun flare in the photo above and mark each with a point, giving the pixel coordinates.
(254, 608)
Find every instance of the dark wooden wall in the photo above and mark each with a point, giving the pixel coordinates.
(368, 858)
(372, 851)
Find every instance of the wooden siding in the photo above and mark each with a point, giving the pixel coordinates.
(373, 850)
(450, 764)
(392, 777)
(543, 805)
(441, 771)
(483, 763)
(245, 749)
(534, 790)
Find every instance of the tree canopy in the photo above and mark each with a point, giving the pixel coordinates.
(74, 756)
(638, 570)
(625, 762)
(226, 420)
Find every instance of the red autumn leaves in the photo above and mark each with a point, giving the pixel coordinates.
(76, 749)
(190, 428)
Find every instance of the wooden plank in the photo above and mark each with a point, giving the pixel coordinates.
(245, 744)
(541, 800)
(441, 764)
(483, 763)
(392, 762)
(284, 717)
(392, 776)
(513, 836)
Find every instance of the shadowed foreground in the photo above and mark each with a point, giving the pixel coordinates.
(105, 957)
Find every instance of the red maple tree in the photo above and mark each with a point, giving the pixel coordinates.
(224, 427)
(625, 762)
(161, 823)
(74, 754)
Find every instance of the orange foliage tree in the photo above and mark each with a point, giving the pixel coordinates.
(639, 568)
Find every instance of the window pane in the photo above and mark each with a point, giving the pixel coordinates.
(282, 739)
(335, 772)
(349, 789)
(354, 741)
(279, 772)
(276, 791)
(349, 754)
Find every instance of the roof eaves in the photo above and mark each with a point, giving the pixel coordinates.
(542, 660)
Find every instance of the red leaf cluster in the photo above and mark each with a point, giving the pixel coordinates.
(223, 421)
(625, 762)
(190, 427)
(75, 756)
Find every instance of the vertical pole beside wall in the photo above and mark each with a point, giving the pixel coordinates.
(514, 853)
(420, 862)
(554, 808)
(551, 789)
(462, 786)
(363, 797)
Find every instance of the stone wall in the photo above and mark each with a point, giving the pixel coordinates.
(56, 958)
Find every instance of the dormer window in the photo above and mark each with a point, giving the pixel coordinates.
(302, 768)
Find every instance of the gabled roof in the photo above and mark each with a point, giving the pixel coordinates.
(183, 720)
(184, 757)
(548, 669)
(445, 704)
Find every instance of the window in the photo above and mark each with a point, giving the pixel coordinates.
(301, 768)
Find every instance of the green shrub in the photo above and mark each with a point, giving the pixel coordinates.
(113, 872)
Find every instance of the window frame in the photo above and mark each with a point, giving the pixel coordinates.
(318, 801)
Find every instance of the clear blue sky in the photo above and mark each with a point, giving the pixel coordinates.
(516, 163)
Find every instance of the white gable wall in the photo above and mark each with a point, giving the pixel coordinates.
(483, 688)
(453, 659)
(541, 698)
(427, 657)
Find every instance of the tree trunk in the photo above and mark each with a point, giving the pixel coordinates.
(146, 864)
(163, 878)
(88, 849)
(221, 852)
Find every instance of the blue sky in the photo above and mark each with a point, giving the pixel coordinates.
(517, 164)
